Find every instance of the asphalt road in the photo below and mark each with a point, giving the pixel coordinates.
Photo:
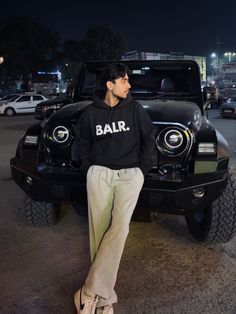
(163, 269)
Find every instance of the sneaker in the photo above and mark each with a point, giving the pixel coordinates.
(85, 303)
(108, 309)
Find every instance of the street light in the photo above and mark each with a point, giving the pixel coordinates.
(215, 63)
(230, 55)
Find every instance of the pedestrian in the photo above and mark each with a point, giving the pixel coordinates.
(116, 141)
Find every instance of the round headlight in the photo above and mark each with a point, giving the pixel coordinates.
(173, 141)
(60, 134)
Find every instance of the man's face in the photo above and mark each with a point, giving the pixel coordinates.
(121, 87)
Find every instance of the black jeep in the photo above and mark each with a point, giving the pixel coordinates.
(191, 173)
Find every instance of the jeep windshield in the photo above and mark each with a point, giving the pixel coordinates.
(149, 79)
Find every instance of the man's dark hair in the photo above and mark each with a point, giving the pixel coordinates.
(112, 72)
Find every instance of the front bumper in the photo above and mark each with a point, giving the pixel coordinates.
(46, 183)
(2, 109)
(165, 193)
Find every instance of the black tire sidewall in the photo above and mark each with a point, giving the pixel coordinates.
(11, 110)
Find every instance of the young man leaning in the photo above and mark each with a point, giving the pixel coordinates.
(116, 140)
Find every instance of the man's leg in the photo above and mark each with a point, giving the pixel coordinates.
(103, 272)
(100, 203)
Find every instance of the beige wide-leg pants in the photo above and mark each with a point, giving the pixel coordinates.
(112, 197)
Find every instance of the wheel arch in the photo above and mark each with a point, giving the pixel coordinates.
(222, 146)
(11, 108)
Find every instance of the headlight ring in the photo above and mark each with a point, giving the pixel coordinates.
(173, 141)
(60, 134)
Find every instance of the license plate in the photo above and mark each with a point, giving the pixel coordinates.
(227, 110)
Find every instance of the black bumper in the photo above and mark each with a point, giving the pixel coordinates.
(45, 183)
(56, 184)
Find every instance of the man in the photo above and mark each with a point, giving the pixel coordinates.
(116, 141)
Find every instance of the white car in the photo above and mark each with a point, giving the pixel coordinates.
(20, 104)
(8, 97)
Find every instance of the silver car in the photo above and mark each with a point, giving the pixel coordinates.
(228, 108)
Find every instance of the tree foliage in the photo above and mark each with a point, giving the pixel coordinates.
(26, 46)
(102, 43)
(99, 43)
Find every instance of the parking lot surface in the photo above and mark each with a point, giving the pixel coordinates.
(163, 269)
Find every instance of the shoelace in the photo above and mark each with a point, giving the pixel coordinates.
(90, 303)
(108, 309)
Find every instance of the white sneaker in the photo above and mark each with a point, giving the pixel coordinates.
(85, 303)
(108, 309)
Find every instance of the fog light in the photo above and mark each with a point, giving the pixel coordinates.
(199, 192)
(29, 180)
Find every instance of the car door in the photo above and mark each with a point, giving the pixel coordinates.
(37, 99)
(24, 104)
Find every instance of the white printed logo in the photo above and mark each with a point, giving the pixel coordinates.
(115, 127)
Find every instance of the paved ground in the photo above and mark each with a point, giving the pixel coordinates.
(163, 270)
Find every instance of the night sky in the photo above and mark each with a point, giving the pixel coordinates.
(191, 27)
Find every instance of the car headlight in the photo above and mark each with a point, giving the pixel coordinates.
(174, 141)
(57, 136)
(31, 140)
(60, 134)
(206, 148)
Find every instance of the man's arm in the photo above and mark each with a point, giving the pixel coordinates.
(147, 140)
(84, 139)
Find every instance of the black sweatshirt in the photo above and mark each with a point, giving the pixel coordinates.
(116, 137)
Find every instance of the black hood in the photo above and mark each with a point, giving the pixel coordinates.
(70, 111)
(184, 112)
(54, 101)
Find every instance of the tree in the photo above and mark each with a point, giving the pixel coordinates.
(26, 47)
(103, 44)
(99, 43)
(73, 52)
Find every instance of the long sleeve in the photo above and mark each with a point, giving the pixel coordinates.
(147, 140)
(84, 140)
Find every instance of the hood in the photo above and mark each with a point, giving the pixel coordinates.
(98, 97)
(70, 111)
(184, 112)
(54, 101)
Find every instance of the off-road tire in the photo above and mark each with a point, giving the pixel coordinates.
(217, 222)
(9, 112)
(41, 213)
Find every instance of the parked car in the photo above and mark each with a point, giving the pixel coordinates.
(45, 108)
(215, 104)
(8, 97)
(20, 104)
(54, 95)
(228, 92)
(228, 108)
(190, 174)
